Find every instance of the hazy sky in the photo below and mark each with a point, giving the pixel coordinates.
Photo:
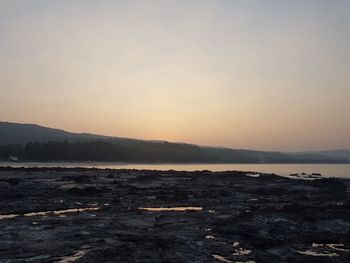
(259, 74)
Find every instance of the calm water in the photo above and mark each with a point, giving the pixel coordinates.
(328, 170)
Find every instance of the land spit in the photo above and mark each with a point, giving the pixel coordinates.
(91, 215)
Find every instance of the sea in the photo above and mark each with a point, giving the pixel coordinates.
(326, 170)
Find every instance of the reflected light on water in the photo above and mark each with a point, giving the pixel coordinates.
(327, 170)
(55, 212)
(174, 209)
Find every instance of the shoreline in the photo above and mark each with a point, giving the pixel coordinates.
(128, 215)
(301, 171)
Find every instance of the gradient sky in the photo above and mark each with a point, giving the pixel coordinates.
(258, 74)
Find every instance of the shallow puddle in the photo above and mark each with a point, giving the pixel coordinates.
(72, 258)
(55, 212)
(239, 251)
(174, 209)
(339, 247)
(316, 254)
(8, 216)
(326, 248)
(253, 175)
(242, 252)
(222, 259)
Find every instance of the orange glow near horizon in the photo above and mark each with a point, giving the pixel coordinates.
(266, 76)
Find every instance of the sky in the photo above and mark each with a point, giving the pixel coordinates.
(253, 74)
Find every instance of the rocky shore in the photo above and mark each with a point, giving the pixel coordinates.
(91, 215)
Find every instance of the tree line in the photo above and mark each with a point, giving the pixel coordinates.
(124, 150)
(105, 151)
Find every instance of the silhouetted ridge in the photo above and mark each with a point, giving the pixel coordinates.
(30, 142)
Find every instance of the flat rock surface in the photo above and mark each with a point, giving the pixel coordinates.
(90, 215)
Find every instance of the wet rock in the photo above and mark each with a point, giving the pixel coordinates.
(272, 216)
(86, 191)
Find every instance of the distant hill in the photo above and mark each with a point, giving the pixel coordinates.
(38, 143)
(343, 153)
(23, 133)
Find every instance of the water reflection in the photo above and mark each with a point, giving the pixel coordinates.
(175, 209)
(8, 216)
(253, 175)
(322, 250)
(54, 212)
(72, 258)
(332, 170)
(317, 254)
(222, 259)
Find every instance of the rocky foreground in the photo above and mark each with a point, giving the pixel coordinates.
(91, 215)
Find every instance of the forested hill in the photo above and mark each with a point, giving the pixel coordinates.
(22, 133)
(31, 142)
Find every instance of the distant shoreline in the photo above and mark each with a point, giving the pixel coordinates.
(286, 170)
(173, 163)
